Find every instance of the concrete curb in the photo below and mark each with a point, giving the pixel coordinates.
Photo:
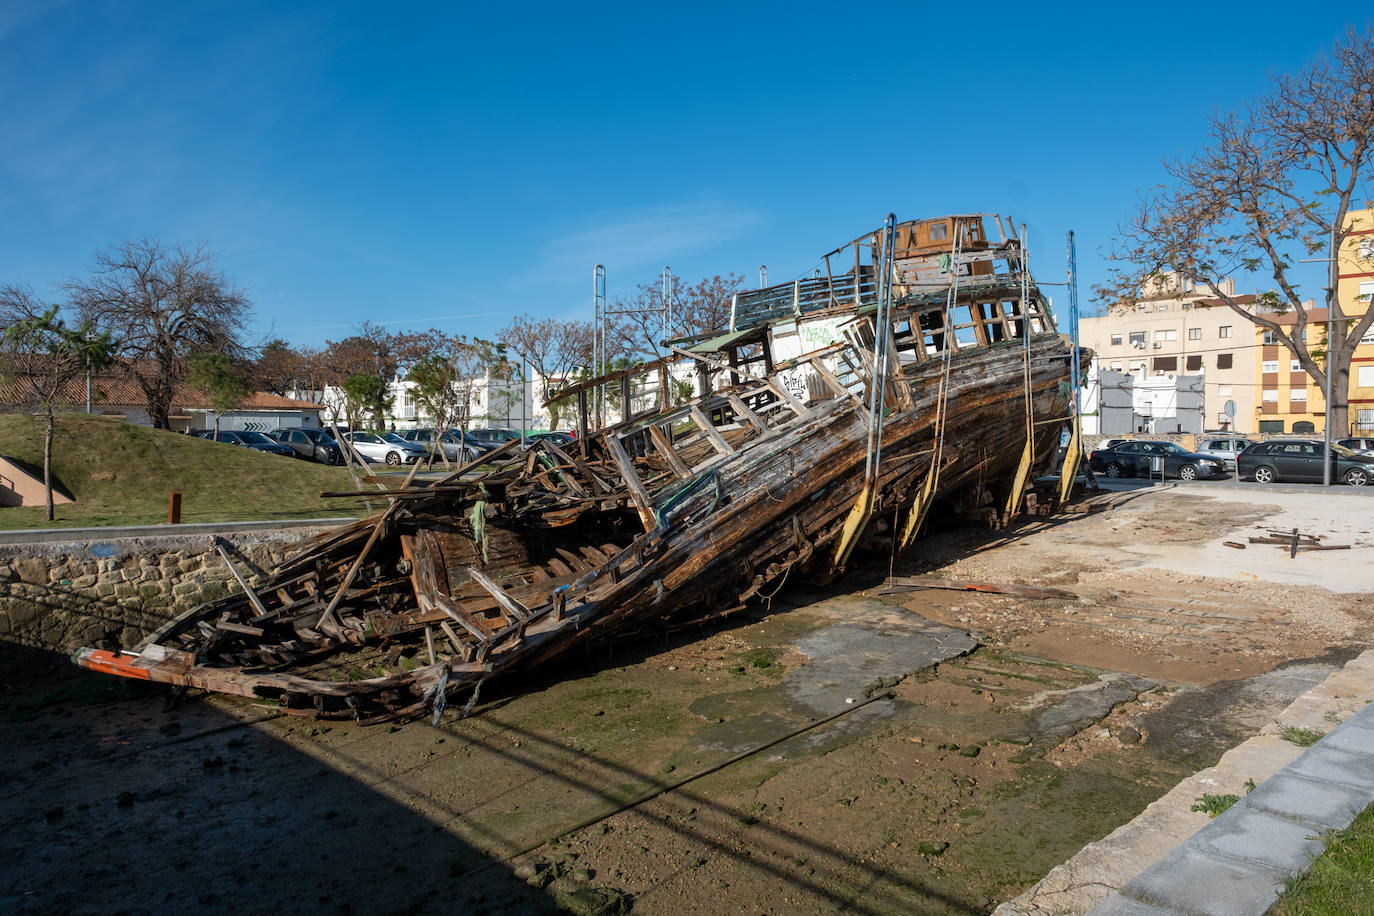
(82, 535)
(1171, 860)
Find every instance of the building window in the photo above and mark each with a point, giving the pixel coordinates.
(1365, 377)
(1138, 337)
(1166, 363)
(1297, 394)
(1162, 307)
(1270, 395)
(1116, 367)
(1269, 366)
(1304, 426)
(1116, 340)
(1166, 335)
(1224, 331)
(1270, 338)
(1364, 418)
(1223, 360)
(1195, 333)
(1271, 426)
(1194, 362)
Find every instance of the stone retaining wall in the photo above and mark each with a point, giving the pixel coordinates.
(63, 595)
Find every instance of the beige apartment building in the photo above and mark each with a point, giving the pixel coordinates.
(1176, 328)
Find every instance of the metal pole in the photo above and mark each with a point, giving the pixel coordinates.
(600, 324)
(667, 302)
(1333, 302)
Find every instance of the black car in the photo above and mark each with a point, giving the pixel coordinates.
(1138, 458)
(560, 439)
(311, 444)
(253, 440)
(1301, 460)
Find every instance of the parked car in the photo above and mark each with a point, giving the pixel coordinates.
(494, 437)
(1140, 458)
(376, 448)
(560, 439)
(1301, 460)
(254, 440)
(1224, 447)
(1362, 444)
(454, 447)
(311, 444)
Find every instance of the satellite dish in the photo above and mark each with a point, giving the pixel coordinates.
(1230, 409)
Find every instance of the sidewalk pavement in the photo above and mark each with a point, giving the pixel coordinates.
(1171, 861)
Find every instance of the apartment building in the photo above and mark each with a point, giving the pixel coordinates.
(1178, 329)
(1355, 266)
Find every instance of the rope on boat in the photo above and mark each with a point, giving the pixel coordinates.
(921, 504)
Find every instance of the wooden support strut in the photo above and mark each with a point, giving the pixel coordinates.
(252, 595)
(717, 440)
(669, 454)
(328, 615)
(640, 495)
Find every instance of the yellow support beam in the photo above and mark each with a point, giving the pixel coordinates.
(1071, 458)
(853, 524)
(1018, 486)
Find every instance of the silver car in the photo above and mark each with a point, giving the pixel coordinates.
(454, 448)
(1224, 447)
(375, 448)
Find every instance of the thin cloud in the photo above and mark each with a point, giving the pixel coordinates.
(651, 236)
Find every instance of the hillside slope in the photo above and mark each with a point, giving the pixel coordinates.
(121, 474)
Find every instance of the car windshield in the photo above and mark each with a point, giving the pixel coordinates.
(392, 437)
(318, 436)
(255, 438)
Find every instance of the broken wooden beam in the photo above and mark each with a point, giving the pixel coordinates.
(901, 583)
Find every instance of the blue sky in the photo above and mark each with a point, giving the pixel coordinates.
(452, 165)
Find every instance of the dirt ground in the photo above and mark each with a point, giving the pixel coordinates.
(704, 773)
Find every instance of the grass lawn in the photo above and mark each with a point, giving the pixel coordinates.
(1341, 880)
(121, 474)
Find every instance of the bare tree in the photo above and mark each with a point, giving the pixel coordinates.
(43, 357)
(164, 303)
(555, 349)
(279, 367)
(1274, 185)
(641, 327)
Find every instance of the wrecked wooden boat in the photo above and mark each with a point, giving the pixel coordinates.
(919, 365)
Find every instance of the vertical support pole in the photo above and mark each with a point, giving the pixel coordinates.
(1074, 453)
(1023, 470)
(667, 302)
(600, 324)
(174, 507)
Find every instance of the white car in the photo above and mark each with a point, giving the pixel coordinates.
(375, 448)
